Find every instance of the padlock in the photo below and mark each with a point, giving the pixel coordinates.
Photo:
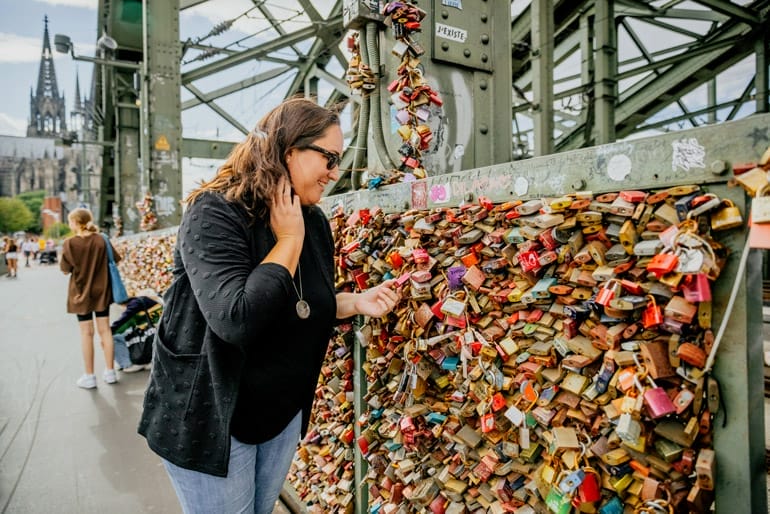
(652, 316)
(692, 355)
(608, 291)
(662, 264)
(680, 309)
(657, 401)
(696, 288)
(726, 216)
(754, 181)
(705, 468)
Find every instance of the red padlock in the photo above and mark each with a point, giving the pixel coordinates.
(498, 401)
(653, 314)
(662, 264)
(589, 490)
(611, 289)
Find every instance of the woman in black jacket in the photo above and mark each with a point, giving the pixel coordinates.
(248, 317)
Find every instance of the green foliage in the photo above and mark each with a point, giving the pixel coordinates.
(57, 230)
(34, 202)
(14, 215)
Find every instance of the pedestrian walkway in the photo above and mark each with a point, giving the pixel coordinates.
(65, 449)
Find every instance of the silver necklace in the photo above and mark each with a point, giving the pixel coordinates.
(302, 307)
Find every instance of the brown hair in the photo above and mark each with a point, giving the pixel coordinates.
(254, 167)
(83, 219)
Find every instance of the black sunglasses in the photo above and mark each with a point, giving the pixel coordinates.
(333, 159)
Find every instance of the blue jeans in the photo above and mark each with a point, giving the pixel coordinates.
(121, 351)
(255, 476)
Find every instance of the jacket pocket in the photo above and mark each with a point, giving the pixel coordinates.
(175, 376)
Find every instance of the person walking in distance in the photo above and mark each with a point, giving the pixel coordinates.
(248, 317)
(12, 257)
(84, 257)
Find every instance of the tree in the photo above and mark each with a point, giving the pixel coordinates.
(14, 215)
(34, 202)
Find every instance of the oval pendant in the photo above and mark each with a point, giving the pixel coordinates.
(303, 309)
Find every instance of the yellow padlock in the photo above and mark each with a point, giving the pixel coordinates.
(727, 216)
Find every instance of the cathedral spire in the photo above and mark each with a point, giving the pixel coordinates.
(47, 116)
(46, 78)
(78, 105)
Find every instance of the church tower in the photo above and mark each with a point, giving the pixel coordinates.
(47, 112)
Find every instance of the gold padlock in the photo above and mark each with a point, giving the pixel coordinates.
(727, 216)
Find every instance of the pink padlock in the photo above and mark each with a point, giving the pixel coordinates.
(658, 402)
(696, 288)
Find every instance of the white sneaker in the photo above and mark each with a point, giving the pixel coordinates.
(87, 381)
(133, 368)
(109, 376)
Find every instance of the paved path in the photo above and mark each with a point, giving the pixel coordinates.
(65, 449)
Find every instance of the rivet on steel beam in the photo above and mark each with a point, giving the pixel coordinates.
(484, 57)
(467, 52)
(484, 18)
(483, 85)
(483, 128)
(485, 39)
(445, 46)
(718, 167)
(444, 14)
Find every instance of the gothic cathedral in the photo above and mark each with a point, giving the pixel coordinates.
(47, 116)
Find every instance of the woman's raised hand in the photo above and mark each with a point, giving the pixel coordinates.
(286, 213)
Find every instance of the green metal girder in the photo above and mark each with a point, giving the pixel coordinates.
(260, 51)
(732, 10)
(236, 86)
(206, 149)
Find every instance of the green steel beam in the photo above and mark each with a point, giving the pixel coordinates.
(217, 109)
(206, 149)
(186, 4)
(761, 79)
(236, 86)
(732, 10)
(606, 62)
(260, 5)
(161, 101)
(542, 74)
(646, 54)
(326, 41)
(261, 51)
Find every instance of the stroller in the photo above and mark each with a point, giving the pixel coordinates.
(48, 257)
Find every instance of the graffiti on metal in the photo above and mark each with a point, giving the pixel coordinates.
(688, 156)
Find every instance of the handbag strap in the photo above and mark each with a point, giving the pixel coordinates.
(109, 248)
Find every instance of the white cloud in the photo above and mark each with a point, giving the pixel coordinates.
(18, 49)
(10, 126)
(88, 4)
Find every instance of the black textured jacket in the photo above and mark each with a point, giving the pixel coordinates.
(229, 335)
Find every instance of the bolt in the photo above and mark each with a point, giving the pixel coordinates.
(445, 46)
(467, 52)
(718, 167)
(483, 85)
(485, 39)
(444, 14)
(484, 57)
(483, 128)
